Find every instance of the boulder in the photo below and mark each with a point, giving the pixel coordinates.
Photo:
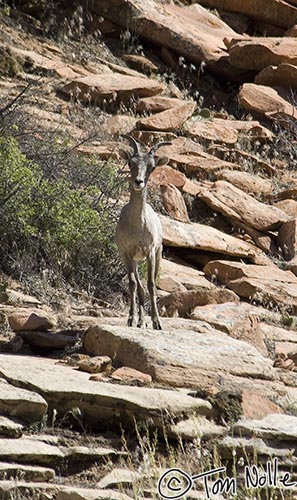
(50, 63)
(140, 63)
(256, 406)
(111, 86)
(165, 175)
(276, 12)
(267, 285)
(188, 155)
(262, 240)
(96, 364)
(183, 303)
(281, 296)
(179, 276)
(247, 182)
(202, 237)
(216, 130)
(237, 205)
(201, 166)
(292, 265)
(251, 129)
(183, 146)
(241, 156)
(21, 403)
(288, 206)
(127, 374)
(174, 203)
(287, 239)
(47, 340)
(227, 271)
(102, 404)
(179, 357)
(192, 32)
(284, 75)
(292, 31)
(157, 104)
(117, 125)
(169, 120)
(30, 320)
(259, 52)
(234, 319)
(266, 101)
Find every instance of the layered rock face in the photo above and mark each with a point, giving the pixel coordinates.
(218, 86)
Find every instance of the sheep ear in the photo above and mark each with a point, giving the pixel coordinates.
(161, 160)
(125, 155)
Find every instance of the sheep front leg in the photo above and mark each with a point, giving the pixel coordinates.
(131, 269)
(151, 284)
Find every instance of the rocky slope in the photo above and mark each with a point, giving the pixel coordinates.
(223, 373)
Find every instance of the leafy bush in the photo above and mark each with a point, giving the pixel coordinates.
(61, 221)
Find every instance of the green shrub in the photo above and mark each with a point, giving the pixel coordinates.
(62, 220)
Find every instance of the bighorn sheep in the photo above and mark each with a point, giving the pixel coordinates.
(139, 231)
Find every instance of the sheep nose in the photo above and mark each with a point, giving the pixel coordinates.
(138, 182)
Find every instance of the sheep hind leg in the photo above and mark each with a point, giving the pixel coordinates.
(153, 266)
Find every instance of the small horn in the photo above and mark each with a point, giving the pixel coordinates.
(133, 143)
(158, 145)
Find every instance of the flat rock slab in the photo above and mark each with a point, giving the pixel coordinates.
(182, 304)
(21, 489)
(267, 285)
(21, 403)
(78, 453)
(156, 104)
(227, 271)
(274, 12)
(47, 340)
(95, 88)
(178, 276)
(197, 428)
(239, 206)
(30, 320)
(99, 402)
(257, 53)
(168, 120)
(234, 319)
(26, 472)
(284, 75)
(250, 446)
(179, 357)
(202, 237)
(275, 426)
(10, 427)
(25, 450)
(118, 477)
(72, 493)
(192, 31)
(216, 130)
(267, 101)
(250, 183)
